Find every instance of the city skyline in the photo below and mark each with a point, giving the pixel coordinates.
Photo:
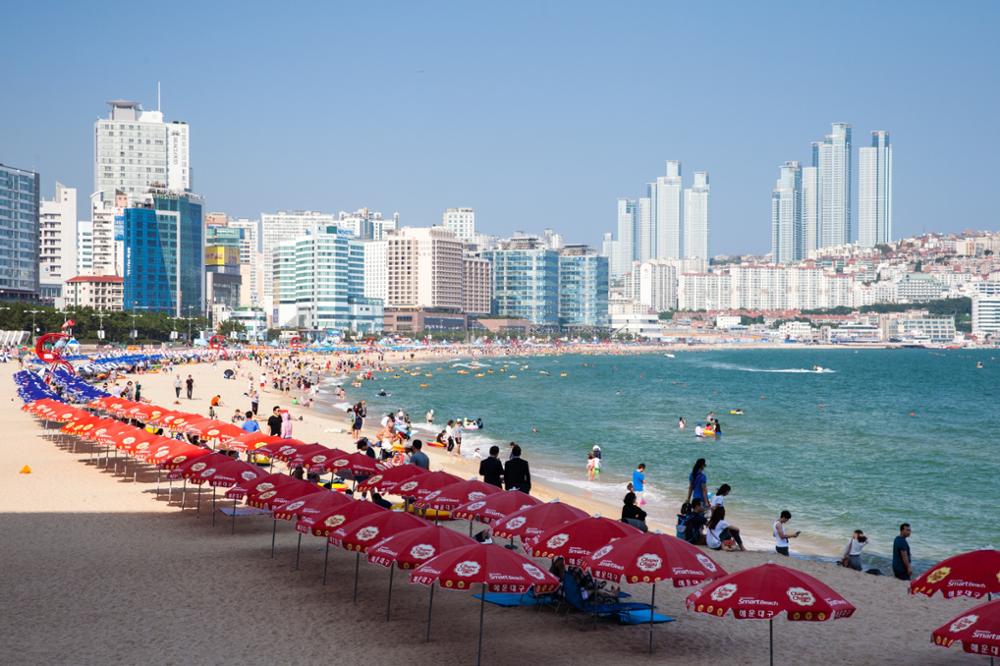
(409, 151)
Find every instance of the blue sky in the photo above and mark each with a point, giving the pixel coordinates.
(537, 114)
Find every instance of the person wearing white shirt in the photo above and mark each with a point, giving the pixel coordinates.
(720, 495)
(852, 554)
(719, 532)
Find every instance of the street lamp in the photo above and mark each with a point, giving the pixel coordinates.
(100, 325)
(33, 313)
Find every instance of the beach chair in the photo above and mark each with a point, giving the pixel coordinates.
(513, 600)
(642, 617)
(573, 596)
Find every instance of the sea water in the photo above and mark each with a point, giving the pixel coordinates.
(873, 439)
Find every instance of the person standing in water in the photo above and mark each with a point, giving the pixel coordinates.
(639, 483)
(681, 424)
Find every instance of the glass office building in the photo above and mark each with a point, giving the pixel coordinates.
(19, 239)
(583, 288)
(525, 281)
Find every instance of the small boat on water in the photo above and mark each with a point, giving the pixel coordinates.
(979, 365)
(669, 355)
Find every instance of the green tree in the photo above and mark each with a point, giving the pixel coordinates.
(230, 326)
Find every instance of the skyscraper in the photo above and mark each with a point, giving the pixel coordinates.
(667, 212)
(624, 249)
(832, 158)
(19, 203)
(875, 191)
(58, 247)
(136, 149)
(461, 222)
(583, 287)
(277, 228)
(696, 217)
(810, 210)
(645, 242)
(786, 215)
(525, 280)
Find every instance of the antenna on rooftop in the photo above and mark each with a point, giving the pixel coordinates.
(157, 95)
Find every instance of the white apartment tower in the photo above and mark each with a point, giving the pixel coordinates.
(283, 226)
(810, 210)
(377, 269)
(135, 149)
(425, 268)
(645, 234)
(786, 215)
(832, 158)
(85, 247)
(461, 222)
(666, 201)
(620, 260)
(875, 191)
(696, 217)
(57, 254)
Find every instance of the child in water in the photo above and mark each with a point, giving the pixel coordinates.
(591, 467)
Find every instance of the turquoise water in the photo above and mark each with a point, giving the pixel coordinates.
(839, 448)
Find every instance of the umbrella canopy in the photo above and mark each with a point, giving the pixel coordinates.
(414, 547)
(260, 485)
(576, 541)
(280, 495)
(353, 465)
(387, 480)
(199, 470)
(309, 505)
(530, 523)
(768, 590)
(364, 532)
(174, 420)
(495, 507)
(456, 494)
(212, 429)
(978, 629)
(249, 441)
(499, 569)
(973, 574)
(100, 428)
(282, 450)
(650, 558)
(173, 453)
(323, 523)
(315, 456)
(424, 484)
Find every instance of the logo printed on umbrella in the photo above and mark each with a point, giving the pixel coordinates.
(602, 551)
(142, 446)
(649, 562)
(335, 520)
(366, 533)
(467, 568)
(515, 523)
(128, 440)
(198, 466)
(706, 562)
(247, 475)
(533, 571)
(375, 479)
(267, 485)
(938, 575)
(475, 496)
(285, 450)
(801, 596)
(723, 592)
(408, 486)
(475, 506)
(208, 472)
(268, 495)
(179, 459)
(294, 505)
(340, 463)
(423, 551)
(963, 623)
(432, 496)
(318, 458)
(557, 541)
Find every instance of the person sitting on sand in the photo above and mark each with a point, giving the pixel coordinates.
(852, 554)
(632, 514)
(720, 534)
(694, 523)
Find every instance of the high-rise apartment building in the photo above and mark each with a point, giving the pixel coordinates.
(319, 282)
(696, 217)
(525, 274)
(19, 206)
(377, 269)
(461, 222)
(583, 288)
(425, 268)
(832, 159)
(164, 255)
(108, 229)
(476, 285)
(786, 214)
(58, 243)
(667, 212)
(625, 245)
(657, 285)
(136, 149)
(875, 191)
(277, 228)
(645, 242)
(250, 239)
(810, 210)
(85, 247)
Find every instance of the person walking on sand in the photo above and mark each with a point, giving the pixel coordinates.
(286, 425)
(639, 483)
(189, 382)
(902, 565)
(516, 475)
(491, 469)
(177, 387)
(781, 536)
(274, 422)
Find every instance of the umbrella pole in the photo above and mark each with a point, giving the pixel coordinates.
(184, 494)
(770, 638)
(274, 532)
(357, 567)
(170, 489)
(157, 482)
(430, 607)
(652, 605)
(233, 530)
(198, 512)
(482, 611)
(298, 549)
(326, 560)
(213, 506)
(388, 601)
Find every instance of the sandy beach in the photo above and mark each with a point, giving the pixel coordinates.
(99, 568)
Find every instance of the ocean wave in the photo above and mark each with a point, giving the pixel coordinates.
(746, 368)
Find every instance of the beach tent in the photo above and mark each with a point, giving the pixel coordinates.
(762, 592)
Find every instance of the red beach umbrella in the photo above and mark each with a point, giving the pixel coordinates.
(229, 474)
(173, 453)
(281, 494)
(314, 456)
(978, 629)
(353, 465)
(387, 480)
(249, 441)
(764, 591)
(651, 558)
(495, 568)
(264, 483)
(200, 470)
(410, 549)
(495, 507)
(421, 486)
(361, 534)
(530, 523)
(283, 450)
(457, 494)
(974, 574)
(310, 505)
(576, 541)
